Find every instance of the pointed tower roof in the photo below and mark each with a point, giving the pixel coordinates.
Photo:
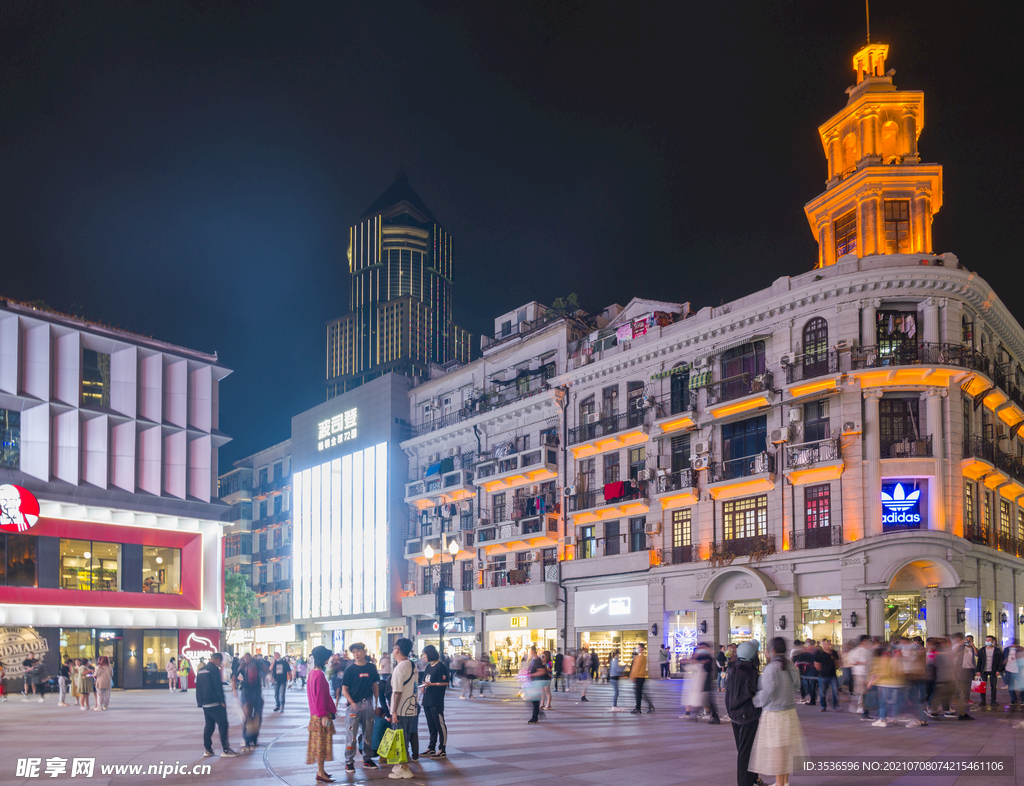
(398, 198)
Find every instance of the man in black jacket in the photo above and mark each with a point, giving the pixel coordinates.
(210, 696)
(739, 703)
(990, 663)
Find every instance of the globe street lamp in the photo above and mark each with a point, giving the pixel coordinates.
(428, 552)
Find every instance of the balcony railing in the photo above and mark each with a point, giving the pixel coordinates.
(811, 366)
(674, 403)
(596, 498)
(808, 454)
(679, 555)
(744, 467)
(497, 396)
(269, 486)
(976, 532)
(602, 427)
(911, 354)
(737, 387)
(986, 449)
(817, 538)
(755, 546)
(676, 481)
(906, 448)
(516, 329)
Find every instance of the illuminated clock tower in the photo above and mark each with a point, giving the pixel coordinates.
(879, 198)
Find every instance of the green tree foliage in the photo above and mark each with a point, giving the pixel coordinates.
(239, 600)
(567, 306)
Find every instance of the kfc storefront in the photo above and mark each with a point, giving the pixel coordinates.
(90, 582)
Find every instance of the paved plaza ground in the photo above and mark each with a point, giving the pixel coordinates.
(489, 743)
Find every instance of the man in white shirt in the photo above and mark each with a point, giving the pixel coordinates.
(404, 707)
(859, 660)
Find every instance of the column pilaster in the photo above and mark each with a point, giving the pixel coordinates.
(873, 466)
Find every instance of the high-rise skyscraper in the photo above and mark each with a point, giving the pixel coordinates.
(400, 302)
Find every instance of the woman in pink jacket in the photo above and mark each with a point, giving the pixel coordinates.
(322, 709)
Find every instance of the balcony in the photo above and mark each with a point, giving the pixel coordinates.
(915, 364)
(756, 547)
(596, 506)
(680, 555)
(906, 448)
(984, 461)
(676, 489)
(515, 330)
(742, 476)
(740, 394)
(609, 433)
(813, 462)
(484, 401)
(271, 486)
(414, 548)
(534, 584)
(277, 552)
(424, 604)
(675, 412)
(532, 532)
(441, 489)
(816, 373)
(816, 538)
(518, 469)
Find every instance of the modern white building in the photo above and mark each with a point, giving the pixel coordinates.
(111, 539)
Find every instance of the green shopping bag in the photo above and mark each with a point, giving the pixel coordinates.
(392, 746)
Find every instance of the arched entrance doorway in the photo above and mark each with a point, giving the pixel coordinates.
(742, 608)
(915, 604)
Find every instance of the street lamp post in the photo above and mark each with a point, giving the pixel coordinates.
(428, 552)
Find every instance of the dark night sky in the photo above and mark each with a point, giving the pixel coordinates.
(189, 171)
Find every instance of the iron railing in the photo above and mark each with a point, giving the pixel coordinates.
(906, 447)
(739, 386)
(601, 427)
(733, 469)
(913, 354)
(813, 365)
(808, 454)
(680, 555)
(676, 481)
(744, 547)
(674, 403)
(817, 538)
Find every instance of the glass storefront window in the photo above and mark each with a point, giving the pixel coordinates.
(515, 644)
(90, 565)
(905, 616)
(158, 647)
(603, 642)
(972, 620)
(161, 570)
(747, 622)
(822, 618)
(18, 560)
(77, 643)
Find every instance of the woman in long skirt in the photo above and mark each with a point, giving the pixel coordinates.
(322, 710)
(779, 739)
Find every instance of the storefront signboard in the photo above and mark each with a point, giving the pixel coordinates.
(19, 509)
(451, 625)
(339, 428)
(614, 606)
(197, 646)
(16, 644)
(520, 622)
(395, 629)
(241, 636)
(275, 633)
(902, 504)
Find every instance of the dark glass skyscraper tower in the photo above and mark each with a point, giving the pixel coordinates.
(400, 301)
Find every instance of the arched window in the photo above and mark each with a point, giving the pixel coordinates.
(815, 338)
(680, 389)
(890, 141)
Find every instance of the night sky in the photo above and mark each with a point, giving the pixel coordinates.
(189, 171)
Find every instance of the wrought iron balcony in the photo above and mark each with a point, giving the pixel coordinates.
(747, 466)
(808, 454)
(925, 353)
(737, 387)
(676, 481)
(812, 365)
(906, 448)
(679, 555)
(817, 538)
(605, 426)
(757, 547)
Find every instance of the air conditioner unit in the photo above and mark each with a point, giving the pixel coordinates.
(795, 415)
(569, 540)
(480, 564)
(569, 491)
(844, 345)
(589, 419)
(434, 457)
(482, 522)
(779, 435)
(786, 360)
(454, 451)
(644, 474)
(701, 448)
(652, 527)
(850, 427)
(700, 462)
(411, 587)
(532, 556)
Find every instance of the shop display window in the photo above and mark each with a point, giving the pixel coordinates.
(747, 623)
(822, 618)
(77, 643)
(603, 642)
(681, 636)
(161, 570)
(905, 616)
(90, 565)
(158, 647)
(17, 560)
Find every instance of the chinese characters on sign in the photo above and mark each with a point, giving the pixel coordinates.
(340, 428)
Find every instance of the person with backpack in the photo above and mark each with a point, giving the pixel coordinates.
(250, 684)
(740, 689)
(281, 672)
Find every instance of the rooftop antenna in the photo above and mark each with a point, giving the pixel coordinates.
(867, 18)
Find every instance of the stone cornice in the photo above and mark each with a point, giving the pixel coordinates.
(687, 339)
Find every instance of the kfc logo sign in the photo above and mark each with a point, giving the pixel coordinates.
(19, 510)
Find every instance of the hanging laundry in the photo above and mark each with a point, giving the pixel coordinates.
(640, 327)
(624, 332)
(911, 326)
(541, 506)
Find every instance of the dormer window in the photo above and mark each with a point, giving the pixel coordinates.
(846, 234)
